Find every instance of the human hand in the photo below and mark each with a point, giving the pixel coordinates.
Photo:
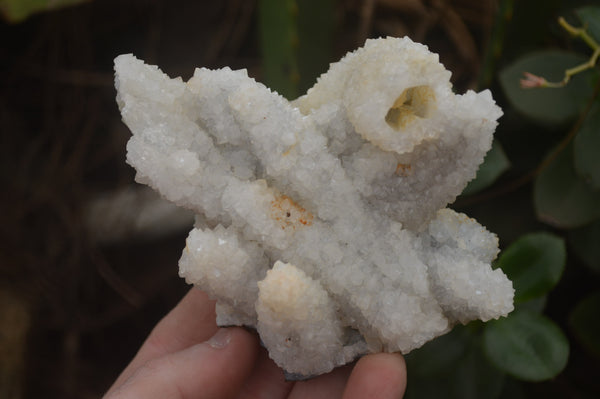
(188, 356)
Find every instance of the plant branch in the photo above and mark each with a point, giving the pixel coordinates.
(532, 81)
(532, 174)
(578, 32)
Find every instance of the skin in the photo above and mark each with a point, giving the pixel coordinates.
(187, 356)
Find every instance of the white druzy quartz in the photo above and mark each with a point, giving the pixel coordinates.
(322, 222)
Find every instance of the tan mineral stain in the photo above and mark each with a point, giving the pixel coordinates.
(403, 169)
(289, 214)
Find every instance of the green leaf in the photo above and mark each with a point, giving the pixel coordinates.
(590, 17)
(296, 42)
(496, 42)
(494, 164)
(526, 345)
(279, 41)
(315, 31)
(453, 367)
(587, 148)
(547, 106)
(18, 10)
(534, 263)
(561, 197)
(585, 243)
(585, 322)
(440, 354)
(536, 305)
(475, 377)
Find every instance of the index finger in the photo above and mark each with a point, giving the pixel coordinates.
(192, 321)
(380, 375)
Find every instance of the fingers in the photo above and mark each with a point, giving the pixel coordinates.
(177, 361)
(326, 386)
(381, 376)
(192, 321)
(216, 368)
(266, 380)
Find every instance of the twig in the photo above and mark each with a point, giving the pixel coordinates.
(532, 81)
(521, 181)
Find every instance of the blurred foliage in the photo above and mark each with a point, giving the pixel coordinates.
(18, 10)
(538, 188)
(279, 44)
(549, 141)
(585, 150)
(441, 367)
(547, 106)
(526, 345)
(534, 263)
(590, 18)
(495, 163)
(295, 38)
(562, 197)
(585, 243)
(586, 324)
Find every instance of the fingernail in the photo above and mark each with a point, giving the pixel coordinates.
(220, 339)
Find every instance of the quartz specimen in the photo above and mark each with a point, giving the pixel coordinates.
(322, 222)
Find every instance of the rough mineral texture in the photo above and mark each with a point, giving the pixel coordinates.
(322, 222)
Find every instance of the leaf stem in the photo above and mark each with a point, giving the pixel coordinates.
(532, 174)
(589, 40)
(579, 32)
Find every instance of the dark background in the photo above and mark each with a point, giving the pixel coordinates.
(74, 310)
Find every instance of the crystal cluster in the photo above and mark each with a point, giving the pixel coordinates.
(322, 222)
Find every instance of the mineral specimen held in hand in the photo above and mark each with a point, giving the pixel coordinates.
(322, 221)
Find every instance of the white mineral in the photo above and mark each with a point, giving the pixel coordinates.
(322, 222)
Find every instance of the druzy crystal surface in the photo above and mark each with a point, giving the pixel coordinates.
(322, 222)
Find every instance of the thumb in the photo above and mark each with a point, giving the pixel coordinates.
(216, 368)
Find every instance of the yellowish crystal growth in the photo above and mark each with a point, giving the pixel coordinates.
(322, 221)
(414, 102)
